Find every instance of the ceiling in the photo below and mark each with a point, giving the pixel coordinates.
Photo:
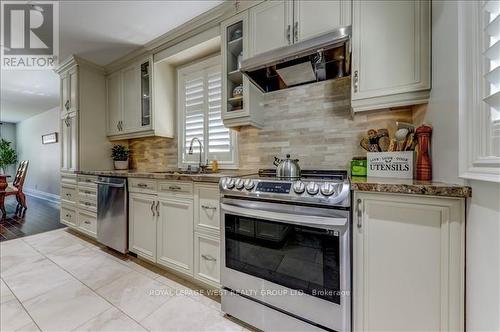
(99, 31)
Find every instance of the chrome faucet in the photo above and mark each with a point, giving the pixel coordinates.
(190, 151)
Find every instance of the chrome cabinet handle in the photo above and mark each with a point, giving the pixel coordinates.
(152, 208)
(206, 207)
(142, 185)
(356, 81)
(87, 203)
(359, 212)
(174, 188)
(68, 216)
(157, 208)
(296, 31)
(288, 32)
(86, 222)
(68, 195)
(118, 126)
(209, 258)
(121, 125)
(66, 105)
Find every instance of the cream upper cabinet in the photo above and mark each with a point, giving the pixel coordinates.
(69, 90)
(131, 98)
(315, 17)
(142, 225)
(69, 141)
(113, 103)
(390, 54)
(175, 234)
(271, 26)
(408, 263)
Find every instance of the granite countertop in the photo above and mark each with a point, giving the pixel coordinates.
(173, 174)
(404, 186)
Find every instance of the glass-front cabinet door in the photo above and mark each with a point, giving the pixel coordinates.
(146, 94)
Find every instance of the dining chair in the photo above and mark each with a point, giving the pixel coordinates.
(17, 190)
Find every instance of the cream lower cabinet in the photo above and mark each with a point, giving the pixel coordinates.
(175, 234)
(408, 263)
(142, 225)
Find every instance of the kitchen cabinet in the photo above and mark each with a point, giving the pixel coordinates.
(69, 90)
(207, 259)
(175, 234)
(315, 17)
(207, 212)
(142, 225)
(69, 141)
(391, 63)
(131, 108)
(244, 109)
(408, 262)
(84, 144)
(274, 24)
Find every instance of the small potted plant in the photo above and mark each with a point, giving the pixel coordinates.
(120, 157)
(8, 155)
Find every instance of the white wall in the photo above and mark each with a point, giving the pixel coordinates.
(43, 170)
(483, 212)
(8, 132)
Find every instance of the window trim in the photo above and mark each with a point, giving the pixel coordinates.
(473, 113)
(184, 71)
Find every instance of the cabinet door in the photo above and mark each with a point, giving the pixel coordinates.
(69, 142)
(207, 259)
(142, 225)
(113, 103)
(270, 26)
(131, 98)
(65, 103)
(315, 17)
(73, 89)
(175, 234)
(393, 57)
(408, 263)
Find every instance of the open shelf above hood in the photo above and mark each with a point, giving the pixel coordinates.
(317, 59)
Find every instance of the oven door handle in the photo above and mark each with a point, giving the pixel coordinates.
(296, 219)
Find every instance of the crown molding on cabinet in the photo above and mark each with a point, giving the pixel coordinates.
(199, 24)
(76, 60)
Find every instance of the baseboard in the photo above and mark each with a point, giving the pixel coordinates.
(56, 199)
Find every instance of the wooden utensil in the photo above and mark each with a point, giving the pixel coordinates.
(365, 144)
(400, 138)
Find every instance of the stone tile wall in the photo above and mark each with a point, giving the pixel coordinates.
(313, 123)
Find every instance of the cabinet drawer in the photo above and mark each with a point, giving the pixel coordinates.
(68, 194)
(87, 204)
(175, 187)
(87, 181)
(207, 259)
(207, 212)
(87, 194)
(87, 222)
(68, 216)
(68, 178)
(142, 186)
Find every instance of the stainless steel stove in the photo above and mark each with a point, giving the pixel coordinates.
(286, 259)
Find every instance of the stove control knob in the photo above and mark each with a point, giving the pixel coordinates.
(240, 184)
(312, 188)
(230, 183)
(249, 184)
(327, 189)
(299, 187)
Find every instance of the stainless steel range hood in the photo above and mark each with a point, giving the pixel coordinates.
(317, 59)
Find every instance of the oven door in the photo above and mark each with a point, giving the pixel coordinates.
(292, 258)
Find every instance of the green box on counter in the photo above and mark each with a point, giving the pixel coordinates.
(358, 166)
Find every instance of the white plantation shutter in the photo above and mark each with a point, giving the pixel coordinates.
(491, 56)
(200, 104)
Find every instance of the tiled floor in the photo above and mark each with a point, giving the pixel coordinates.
(57, 281)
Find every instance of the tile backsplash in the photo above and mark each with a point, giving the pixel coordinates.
(313, 123)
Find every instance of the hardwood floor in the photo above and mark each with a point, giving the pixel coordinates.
(41, 216)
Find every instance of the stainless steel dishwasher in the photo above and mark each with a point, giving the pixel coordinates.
(112, 213)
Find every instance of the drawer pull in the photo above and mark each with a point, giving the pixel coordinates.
(87, 222)
(68, 216)
(87, 192)
(206, 207)
(209, 258)
(87, 204)
(88, 180)
(142, 185)
(174, 188)
(69, 195)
